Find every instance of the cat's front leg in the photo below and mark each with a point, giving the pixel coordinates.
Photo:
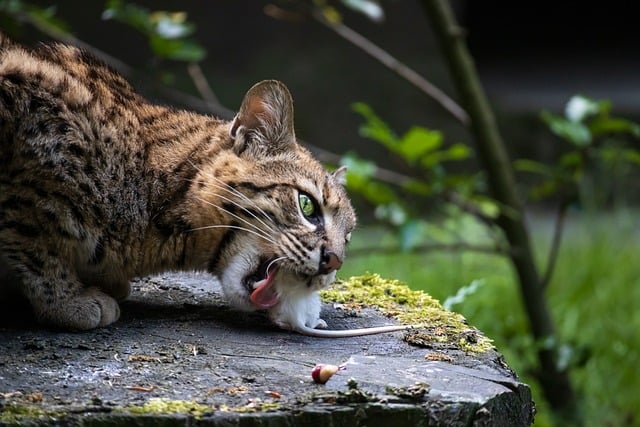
(79, 309)
(58, 298)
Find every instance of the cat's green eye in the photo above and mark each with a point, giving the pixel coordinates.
(307, 206)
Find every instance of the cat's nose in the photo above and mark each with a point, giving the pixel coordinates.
(329, 262)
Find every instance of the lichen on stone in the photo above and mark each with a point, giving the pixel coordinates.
(163, 406)
(168, 406)
(13, 413)
(436, 326)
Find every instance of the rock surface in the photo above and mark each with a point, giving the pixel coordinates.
(179, 356)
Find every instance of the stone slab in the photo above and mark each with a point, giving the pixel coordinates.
(179, 356)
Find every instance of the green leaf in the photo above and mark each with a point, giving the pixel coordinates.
(417, 142)
(357, 166)
(415, 186)
(631, 156)
(360, 174)
(576, 133)
(488, 206)
(526, 165)
(572, 160)
(606, 126)
(179, 50)
(374, 127)
(458, 152)
(130, 14)
(614, 156)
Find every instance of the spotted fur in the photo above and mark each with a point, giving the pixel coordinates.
(98, 186)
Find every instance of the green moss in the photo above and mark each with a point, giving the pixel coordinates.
(437, 327)
(168, 406)
(162, 406)
(13, 413)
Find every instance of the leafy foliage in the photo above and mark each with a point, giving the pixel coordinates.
(428, 180)
(41, 17)
(168, 32)
(600, 149)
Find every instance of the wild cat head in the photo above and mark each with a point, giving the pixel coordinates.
(285, 220)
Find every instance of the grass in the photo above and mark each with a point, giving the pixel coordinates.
(593, 296)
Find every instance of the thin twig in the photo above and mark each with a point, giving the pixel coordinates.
(201, 83)
(394, 65)
(555, 244)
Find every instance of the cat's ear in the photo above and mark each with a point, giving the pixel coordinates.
(340, 175)
(264, 123)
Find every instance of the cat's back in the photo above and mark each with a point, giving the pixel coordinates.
(69, 139)
(70, 75)
(63, 113)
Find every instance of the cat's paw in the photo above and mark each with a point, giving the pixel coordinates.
(91, 309)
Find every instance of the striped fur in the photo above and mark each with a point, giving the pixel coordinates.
(98, 186)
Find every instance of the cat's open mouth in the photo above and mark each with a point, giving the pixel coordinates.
(261, 286)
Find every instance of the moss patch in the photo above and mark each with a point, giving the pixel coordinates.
(167, 406)
(437, 327)
(13, 413)
(162, 406)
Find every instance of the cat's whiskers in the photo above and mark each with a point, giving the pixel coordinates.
(267, 226)
(274, 261)
(237, 227)
(257, 229)
(235, 191)
(221, 185)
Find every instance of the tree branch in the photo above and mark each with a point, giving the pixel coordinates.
(201, 83)
(394, 65)
(555, 382)
(555, 244)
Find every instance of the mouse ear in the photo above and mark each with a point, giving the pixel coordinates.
(264, 123)
(340, 175)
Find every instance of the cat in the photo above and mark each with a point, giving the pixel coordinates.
(99, 186)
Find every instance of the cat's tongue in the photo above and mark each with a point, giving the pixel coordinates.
(264, 294)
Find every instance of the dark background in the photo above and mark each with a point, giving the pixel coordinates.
(530, 56)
